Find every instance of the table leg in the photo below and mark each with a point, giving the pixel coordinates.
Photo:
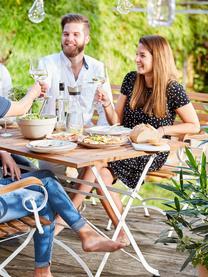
(122, 217)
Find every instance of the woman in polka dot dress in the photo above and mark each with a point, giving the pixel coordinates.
(149, 95)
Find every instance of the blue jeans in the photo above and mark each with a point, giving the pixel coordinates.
(58, 202)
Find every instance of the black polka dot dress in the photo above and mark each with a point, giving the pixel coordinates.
(130, 170)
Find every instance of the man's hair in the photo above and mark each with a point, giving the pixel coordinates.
(75, 18)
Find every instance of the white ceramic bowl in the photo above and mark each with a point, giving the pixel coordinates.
(37, 128)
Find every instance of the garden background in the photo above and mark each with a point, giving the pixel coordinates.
(114, 38)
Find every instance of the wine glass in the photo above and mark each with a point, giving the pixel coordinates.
(39, 73)
(100, 81)
(6, 134)
(38, 70)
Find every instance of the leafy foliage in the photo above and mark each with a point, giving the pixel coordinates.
(114, 37)
(189, 211)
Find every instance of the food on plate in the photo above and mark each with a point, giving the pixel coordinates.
(63, 136)
(145, 133)
(105, 139)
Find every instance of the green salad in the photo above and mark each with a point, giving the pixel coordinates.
(34, 116)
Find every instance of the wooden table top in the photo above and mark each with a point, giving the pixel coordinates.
(78, 158)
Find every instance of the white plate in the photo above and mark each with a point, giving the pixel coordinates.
(108, 130)
(50, 146)
(151, 148)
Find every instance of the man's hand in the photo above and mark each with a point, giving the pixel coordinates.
(9, 165)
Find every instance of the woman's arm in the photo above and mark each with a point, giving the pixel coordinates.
(21, 107)
(190, 122)
(113, 115)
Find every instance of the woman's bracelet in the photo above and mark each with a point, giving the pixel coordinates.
(107, 105)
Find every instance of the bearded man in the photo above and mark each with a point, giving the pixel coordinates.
(73, 68)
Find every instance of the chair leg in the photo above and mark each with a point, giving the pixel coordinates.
(3, 273)
(17, 251)
(93, 201)
(146, 212)
(108, 227)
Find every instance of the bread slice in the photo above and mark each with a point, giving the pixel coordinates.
(144, 133)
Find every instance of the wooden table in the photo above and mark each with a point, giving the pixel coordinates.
(78, 158)
(82, 157)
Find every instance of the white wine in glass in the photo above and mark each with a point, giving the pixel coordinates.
(38, 70)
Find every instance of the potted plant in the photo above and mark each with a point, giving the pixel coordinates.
(187, 214)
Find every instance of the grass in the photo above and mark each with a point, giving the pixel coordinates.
(149, 190)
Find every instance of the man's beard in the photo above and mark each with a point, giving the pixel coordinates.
(73, 53)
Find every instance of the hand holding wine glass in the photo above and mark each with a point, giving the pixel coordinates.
(39, 73)
(101, 97)
(100, 81)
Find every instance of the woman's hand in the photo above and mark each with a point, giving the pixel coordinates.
(9, 165)
(101, 97)
(35, 91)
(44, 87)
(161, 131)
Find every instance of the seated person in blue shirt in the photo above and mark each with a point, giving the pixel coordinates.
(58, 200)
(5, 88)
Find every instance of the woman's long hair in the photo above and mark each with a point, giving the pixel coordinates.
(164, 72)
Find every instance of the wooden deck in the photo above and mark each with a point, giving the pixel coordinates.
(145, 230)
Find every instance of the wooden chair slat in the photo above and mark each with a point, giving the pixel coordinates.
(30, 221)
(200, 106)
(3, 234)
(19, 225)
(7, 229)
(198, 96)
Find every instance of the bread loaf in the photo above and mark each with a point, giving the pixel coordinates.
(145, 133)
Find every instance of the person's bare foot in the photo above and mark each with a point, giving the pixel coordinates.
(122, 237)
(93, 242)
(42, 272)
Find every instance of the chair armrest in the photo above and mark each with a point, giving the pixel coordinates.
(26, 182)
(20, 184)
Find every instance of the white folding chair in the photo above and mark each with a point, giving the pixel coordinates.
(26, 226)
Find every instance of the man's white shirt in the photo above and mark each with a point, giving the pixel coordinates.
(5, 81)
(59, 71)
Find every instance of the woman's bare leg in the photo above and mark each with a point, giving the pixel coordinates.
(77, 198)
(108, 180)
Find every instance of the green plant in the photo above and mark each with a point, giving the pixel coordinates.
(114, 37)
(188, 211)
